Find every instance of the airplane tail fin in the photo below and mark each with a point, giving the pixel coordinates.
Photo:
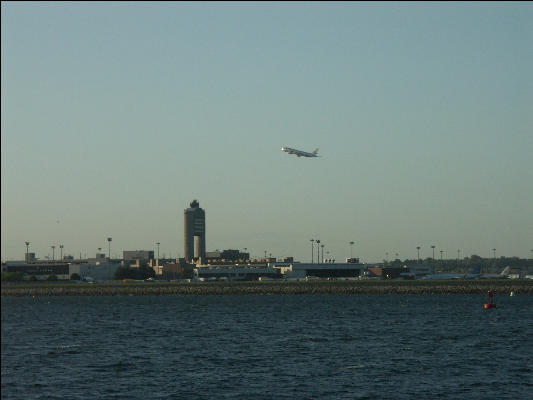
(315, 151)
(505, 271)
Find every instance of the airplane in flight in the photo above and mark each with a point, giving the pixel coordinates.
(300, 153)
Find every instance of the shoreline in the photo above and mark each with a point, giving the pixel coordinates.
(518, 286)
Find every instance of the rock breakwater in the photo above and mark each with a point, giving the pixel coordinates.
(306, 287)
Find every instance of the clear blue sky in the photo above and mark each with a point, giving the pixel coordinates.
(116, 115)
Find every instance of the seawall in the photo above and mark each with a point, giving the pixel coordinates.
(522, 286)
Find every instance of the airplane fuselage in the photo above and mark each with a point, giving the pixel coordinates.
(299, 153)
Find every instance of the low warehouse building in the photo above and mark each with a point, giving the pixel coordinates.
(322, 270)
(99, 271)
(41, 270)
(236, 272)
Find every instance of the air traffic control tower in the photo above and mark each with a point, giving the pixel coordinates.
(194, 225)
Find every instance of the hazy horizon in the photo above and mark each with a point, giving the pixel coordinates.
(115, 116)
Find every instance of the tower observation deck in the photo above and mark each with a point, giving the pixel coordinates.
(194, 230)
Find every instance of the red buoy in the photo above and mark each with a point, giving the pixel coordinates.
(491, 303)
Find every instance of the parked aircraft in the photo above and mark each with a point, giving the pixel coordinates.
(300, 153)
(476, 272)
(502, 275)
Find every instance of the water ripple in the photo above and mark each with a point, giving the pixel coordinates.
(267, 347)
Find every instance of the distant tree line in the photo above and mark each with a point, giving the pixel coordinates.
(12, 276)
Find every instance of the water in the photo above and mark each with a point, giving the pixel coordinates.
(267, 347)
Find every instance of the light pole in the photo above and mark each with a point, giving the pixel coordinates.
(322, 253)
(109, 243)
(312, 248)
(318, 251)
(433, 248)
(458, 255)
(28, 257)
(53, 252)
(61, 248)
(441, 256)
(494, 254)
(418, 252)
(351, 248)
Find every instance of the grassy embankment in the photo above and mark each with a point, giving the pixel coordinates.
(519, 286)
